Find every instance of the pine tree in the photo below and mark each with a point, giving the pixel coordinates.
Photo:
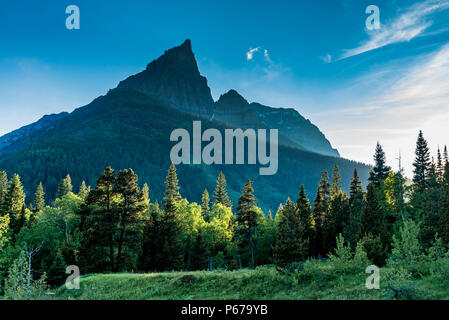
(306, 219)
(324, 188)
(289, 246)
(319, 212)
(39, 198)
(352, 231)
(372, 218)
(205, 208)
(83, 192)
(221, 193)
(247, 218)
(56, 274)
(64, 187)
(336, 181)
(100, 226)
(130, 211)
(269, 216)
(170, 254)
(171, 185)
(199, 252)
(439, 166)
(380, 170)
(337, 217)
(3, 190)
(13, 204)
(421, 164)
(445, 156)
(146, 193)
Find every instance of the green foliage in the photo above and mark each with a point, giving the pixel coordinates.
(289, 246)
(39, 198)
(20, 284)
(221, 192)
(380, 170)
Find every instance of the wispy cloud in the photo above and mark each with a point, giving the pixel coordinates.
(408, 25)
(418, 100)
(250, 53)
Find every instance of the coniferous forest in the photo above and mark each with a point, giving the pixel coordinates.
(397, 224)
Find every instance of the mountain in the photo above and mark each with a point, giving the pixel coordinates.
(294, 129)
(175, 79)
(130, 127)
(13, 139)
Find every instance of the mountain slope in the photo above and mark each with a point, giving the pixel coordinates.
(175, 79)
(130, 127)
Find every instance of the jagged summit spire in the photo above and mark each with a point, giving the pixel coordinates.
(175, 79)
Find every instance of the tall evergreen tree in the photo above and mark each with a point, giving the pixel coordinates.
(445, 155)
(336, 181)
(130, 210)
(440, 166)
(64, 187)
(205, 207)
(3, 190)
(421, 164)
(221, 193)
(39, 198)
(372, 218)
(290, 245)
(171, 185)
(319, 212)
(14, 203)
(352, 231)
(324, 188)
(247, 218)
(100, 226)
(146, 193)
(83, 192)
(380, 170)
(199, 252)
(170, 255)
(306, 219)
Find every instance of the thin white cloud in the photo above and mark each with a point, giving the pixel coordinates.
(419, 100)
(250, 53)
(327, 58)
(410, 24)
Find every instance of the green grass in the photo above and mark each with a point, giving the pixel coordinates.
(320, 280)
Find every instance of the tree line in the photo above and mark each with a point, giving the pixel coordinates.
(116, 227)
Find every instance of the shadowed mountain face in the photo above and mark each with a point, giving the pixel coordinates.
(175, 79)
(130, 127)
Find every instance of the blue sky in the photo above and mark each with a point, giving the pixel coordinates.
(358, 86)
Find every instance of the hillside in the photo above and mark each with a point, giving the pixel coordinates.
(130, 127)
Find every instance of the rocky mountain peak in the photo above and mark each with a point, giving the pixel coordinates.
(175, 79)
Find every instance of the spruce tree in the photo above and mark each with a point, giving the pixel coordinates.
(337, 217)
(97, 252)
(372, 218)
(306, 219)
(352, 231)
(205, 207)
(130, 210)
(146, 193)
(380, 170)
(247, 219)
(221, 193)
(64, 187)
(440, 166)
(14, 203)
(3, 190)
(324, 188)
(39, 198)
(319, 212)
(336, 181)
(199, 252)
(290, 245)
(83, 192)
(170, 254)
(445, 156)
(421, 164)
(171, 185)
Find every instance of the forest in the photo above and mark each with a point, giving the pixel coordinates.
(115, 227)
